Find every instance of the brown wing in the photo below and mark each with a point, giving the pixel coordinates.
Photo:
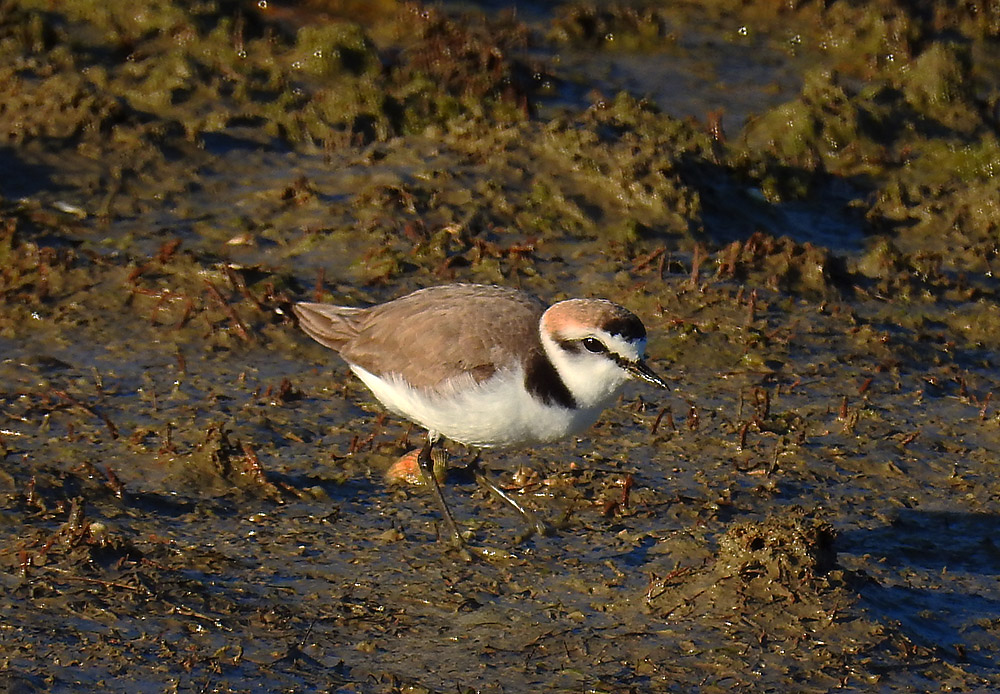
(433, 334)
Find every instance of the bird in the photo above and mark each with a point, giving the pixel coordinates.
(486, 366)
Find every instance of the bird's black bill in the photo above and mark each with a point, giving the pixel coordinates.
(641, 371)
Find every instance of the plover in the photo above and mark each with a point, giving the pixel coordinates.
(486, 366)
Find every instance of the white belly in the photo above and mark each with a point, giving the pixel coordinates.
(496, 413)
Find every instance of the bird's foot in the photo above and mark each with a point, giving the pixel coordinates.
(536, 526)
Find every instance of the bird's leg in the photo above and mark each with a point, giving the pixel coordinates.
(426, 464)
(536, 524)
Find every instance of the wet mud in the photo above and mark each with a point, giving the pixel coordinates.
(800, 200)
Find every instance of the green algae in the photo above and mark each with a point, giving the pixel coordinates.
(214, 66)
(616, 27)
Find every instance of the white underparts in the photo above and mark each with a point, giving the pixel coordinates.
(498, 412)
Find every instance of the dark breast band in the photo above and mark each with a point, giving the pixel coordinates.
(542, 380)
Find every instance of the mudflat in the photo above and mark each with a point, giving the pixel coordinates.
(800, 200)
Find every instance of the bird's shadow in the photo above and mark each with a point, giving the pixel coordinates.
(19, 179)
(935, 574)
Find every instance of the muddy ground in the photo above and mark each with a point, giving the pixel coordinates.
(800, 199)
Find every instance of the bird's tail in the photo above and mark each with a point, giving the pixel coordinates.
(331, 326)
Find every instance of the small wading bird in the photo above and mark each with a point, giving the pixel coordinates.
(486, 366)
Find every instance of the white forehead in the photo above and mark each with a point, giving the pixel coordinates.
(631, 350)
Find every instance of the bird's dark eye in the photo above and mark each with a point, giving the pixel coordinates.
(592, 344)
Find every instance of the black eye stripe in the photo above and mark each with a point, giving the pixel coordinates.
(620, 360)
(591, 344)
(577, 346)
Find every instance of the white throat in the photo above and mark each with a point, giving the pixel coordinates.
(593, 380)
